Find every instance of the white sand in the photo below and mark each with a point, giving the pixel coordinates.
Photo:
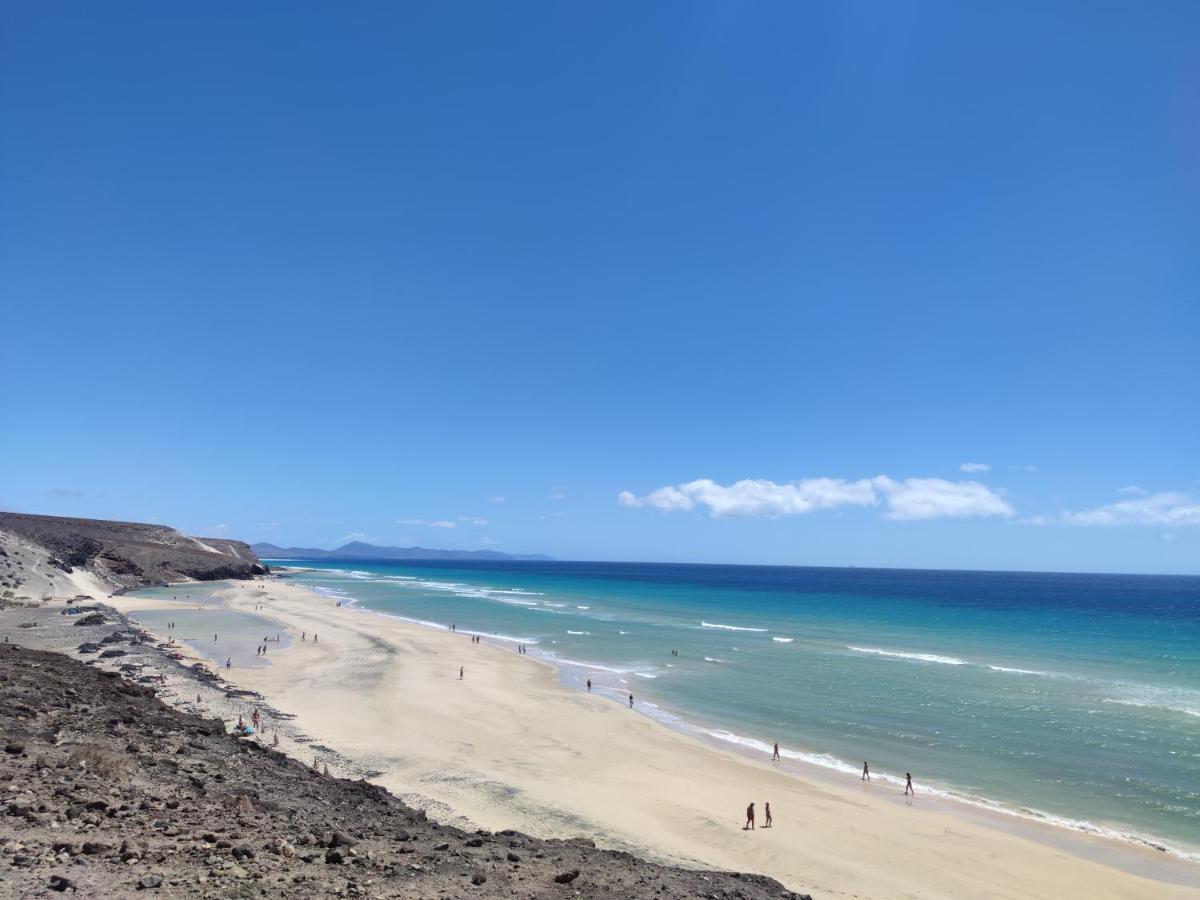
(510, 747)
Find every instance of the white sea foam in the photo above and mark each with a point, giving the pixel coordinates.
(713, 659)
(916, 657)
(1150, 704)
(614, 669)
(1017, 671)
(424, 622)
(728, 627)
(583, 607)
(553, 605)
(782, 640)
(569, 631)
(619, 631)
(645, 674)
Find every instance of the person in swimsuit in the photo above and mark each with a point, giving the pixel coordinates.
(775, 756)
(749, 826)
(908, 788)
(866, 775)
(767, 813)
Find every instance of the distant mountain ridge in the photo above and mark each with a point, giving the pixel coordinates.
(360, 550)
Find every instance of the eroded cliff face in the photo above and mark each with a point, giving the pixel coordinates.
(46, 554)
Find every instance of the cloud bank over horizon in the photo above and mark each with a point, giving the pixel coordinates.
(1165, 508)
(908, 500)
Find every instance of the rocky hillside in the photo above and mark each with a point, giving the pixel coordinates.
(107, 792)
(38, 554)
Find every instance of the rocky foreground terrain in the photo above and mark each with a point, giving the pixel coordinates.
(105, 791)
(38, 554)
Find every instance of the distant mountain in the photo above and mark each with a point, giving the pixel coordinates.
(359, 550)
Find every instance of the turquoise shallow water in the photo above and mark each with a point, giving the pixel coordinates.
(1070, 698)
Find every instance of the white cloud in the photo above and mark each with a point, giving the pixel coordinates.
(473, 520)
(428, 523)
(936, 498)
(1168, 508)
(756, 497)
(664, 498)
(1132, 490)
(975, 467)
(1039, 519)
(68, 492)
(913, 498)
(497, 499)
(557, 495)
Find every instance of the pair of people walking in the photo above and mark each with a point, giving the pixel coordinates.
(908, 785)
(767, 822)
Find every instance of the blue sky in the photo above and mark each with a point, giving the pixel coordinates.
(778, 271)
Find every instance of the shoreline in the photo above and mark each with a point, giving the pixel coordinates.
(690, 834)
(1083, 837)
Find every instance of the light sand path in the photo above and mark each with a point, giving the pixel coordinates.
(510, 747)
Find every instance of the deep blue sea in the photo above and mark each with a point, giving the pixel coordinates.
(1071, 698)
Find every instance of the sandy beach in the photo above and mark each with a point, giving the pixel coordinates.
(509, 746)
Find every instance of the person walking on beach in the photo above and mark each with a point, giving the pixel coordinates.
(214, 638)
(631, 701)
(775, 758)
(315, 637)
(257, 720)
(302, 635)
(589, 685)
(749, 826)
(229, 663)
(767, 814)
(866, 776)
(908, 788)
(460, 673)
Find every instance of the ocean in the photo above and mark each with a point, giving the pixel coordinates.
(1071, 699)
